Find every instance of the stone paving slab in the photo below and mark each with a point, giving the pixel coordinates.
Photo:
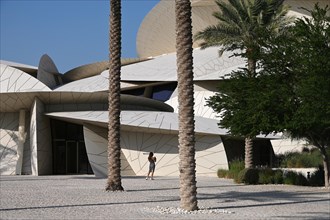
(84, 197)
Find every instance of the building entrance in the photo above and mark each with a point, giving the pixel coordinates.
(70, 157)
(69, 151)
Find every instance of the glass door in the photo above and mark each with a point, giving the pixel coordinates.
(69, 152)
(71, 157)
(59, 157)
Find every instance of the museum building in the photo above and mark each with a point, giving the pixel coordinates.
(56, 123)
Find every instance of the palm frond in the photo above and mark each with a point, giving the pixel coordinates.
(228, 13)
(272, 9)
(256, 7)
(240, 8)
(242, 23)
(217, 32)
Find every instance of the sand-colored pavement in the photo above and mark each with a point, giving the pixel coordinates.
(84, 197)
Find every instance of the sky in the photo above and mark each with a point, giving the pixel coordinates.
(72, 32)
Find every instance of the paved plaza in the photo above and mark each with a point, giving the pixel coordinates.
(84, 197)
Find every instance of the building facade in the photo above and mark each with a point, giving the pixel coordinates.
(53, 123)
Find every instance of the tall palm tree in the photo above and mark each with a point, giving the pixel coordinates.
(114, 177)
(187, 166)
(242, 24)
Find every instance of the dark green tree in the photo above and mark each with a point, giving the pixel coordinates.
(304, 56)
(252, 106)
(242, 24)
(291, 90)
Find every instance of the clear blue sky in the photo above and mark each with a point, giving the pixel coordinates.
(71, 32)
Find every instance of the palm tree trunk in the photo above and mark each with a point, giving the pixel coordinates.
(187, 166)
(248, 140)
(248, 153)
(114, 178)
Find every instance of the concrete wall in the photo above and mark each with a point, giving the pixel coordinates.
(40, 141)
(9, 123)
(210, 153)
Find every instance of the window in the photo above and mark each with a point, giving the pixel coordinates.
(163, 92)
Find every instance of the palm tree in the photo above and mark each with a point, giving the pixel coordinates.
(242, 24)
(114, 178)
(188, 189)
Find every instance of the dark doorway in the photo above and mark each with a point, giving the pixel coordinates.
(69, 151)
(263, 153)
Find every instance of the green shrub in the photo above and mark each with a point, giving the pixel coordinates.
(222, 173)
(293, 178)
(317, 178)
(306, 158)
(266, 176)
(278, 177)
(269, 176)
(301, 180)
(238, 178)
(248, 176)
(290, 177)
(235, 167)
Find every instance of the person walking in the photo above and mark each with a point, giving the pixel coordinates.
(152, 166)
